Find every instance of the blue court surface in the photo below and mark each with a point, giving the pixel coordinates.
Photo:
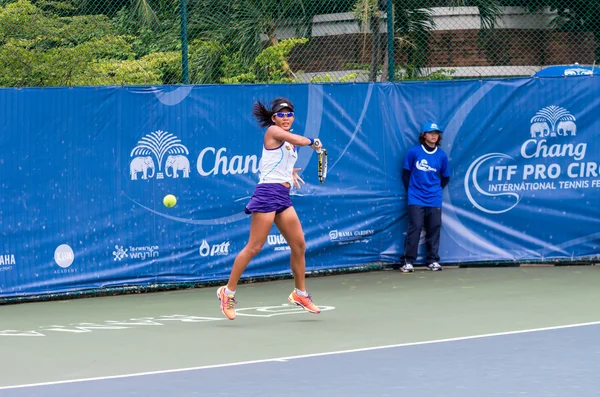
(557, 361)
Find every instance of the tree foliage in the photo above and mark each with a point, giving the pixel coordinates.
(38, 48)
(137, 42)
(571, 15)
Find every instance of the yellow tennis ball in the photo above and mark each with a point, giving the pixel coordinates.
(170, 200)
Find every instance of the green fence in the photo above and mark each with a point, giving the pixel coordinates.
(141, 42)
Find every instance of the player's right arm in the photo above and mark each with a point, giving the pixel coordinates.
(278, 135)
(409, 160)
(408, 166)
(406, 178)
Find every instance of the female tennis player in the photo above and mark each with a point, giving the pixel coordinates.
(271, 203)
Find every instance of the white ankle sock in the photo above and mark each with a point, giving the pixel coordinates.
(301, 293)
(228, 292)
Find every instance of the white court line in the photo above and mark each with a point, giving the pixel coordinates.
(284, 359)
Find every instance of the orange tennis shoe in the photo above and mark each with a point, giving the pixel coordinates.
(227, 303)
(304, 301)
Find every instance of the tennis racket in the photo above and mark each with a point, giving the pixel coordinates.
(322, 165)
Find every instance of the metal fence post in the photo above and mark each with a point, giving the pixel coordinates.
(184, 41)
(390, 37)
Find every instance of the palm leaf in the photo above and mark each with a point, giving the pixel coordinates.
(489, 10)
(413, 22)
(245, 27)
(145, 13)
(142, 9)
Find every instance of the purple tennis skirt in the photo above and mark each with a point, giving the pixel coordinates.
(269, 197)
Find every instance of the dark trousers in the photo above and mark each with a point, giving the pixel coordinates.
(429, 218)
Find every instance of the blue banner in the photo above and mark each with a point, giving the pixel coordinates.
(83, 172)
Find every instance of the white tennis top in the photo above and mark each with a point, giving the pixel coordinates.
(277, 165)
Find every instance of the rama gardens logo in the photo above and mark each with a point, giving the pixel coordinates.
(551, 159)
(155, 146)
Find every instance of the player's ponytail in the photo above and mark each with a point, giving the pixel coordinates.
(263, 115)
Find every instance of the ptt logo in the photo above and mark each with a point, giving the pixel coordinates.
(221, 249)
(155, 146)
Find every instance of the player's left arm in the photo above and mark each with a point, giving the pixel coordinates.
(444, 172)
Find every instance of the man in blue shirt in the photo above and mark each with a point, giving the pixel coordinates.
(425, 174)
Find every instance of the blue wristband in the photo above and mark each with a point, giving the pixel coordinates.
(312, 141)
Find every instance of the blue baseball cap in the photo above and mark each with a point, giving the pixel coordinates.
(430, 126)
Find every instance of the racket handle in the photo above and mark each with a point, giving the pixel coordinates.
(322, 166)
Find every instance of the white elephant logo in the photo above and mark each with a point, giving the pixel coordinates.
(540, 129)
(141, 164)
(567, 128)
(177, 163)
(552, 121)
(159, 144)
